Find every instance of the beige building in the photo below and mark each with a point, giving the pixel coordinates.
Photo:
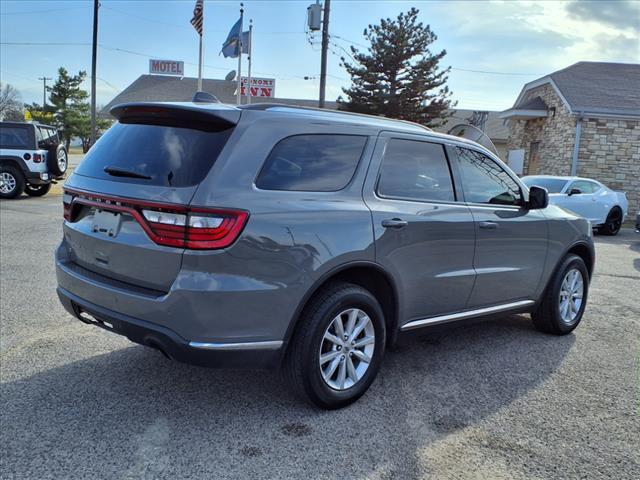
(583, 120)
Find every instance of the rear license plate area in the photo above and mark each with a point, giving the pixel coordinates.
(106, 223)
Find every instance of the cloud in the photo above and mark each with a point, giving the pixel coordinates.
(619, 14)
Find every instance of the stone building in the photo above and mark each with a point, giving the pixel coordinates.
(583, 120)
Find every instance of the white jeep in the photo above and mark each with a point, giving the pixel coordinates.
(31, 159)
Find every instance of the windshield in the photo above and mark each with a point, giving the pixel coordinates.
(154, 155)
(553, 185)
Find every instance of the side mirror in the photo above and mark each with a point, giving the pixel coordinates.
(538, 198)
(574, 191)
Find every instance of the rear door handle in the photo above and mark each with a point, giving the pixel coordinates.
(488, 225)
(396, 223)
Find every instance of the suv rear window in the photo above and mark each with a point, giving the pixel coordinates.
(170, 156)
(14, 137)
(318, 163)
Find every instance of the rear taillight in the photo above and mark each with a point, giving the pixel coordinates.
(67, 206)
(171, 225)
(37, 158)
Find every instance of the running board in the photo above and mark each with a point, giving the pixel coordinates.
(452, 317)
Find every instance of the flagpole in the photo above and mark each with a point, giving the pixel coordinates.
(239, 86)
(200, 66)
(248, 92)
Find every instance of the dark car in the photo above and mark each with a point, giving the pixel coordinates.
(31, 159)
(267, 236)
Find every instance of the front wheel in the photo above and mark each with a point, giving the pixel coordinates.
(565, 299)
(613, 223)
(37, 190)
(337, 349)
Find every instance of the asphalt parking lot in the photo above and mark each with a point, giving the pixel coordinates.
(495, 400)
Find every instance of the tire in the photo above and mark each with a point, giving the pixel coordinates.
(302, 367)
(57, 160)
(613, 223)
(550, 316)
(37, 190)
(12, 182)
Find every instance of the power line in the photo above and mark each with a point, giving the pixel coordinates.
(44, 44)
(31, 12)
(498, 73)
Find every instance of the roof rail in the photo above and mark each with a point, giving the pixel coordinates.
(267, 106)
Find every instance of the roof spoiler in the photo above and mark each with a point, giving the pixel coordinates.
(190, 115)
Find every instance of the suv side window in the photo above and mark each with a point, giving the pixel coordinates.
(312, 163)
(14, 137)
(45, 137)
(415, 170)
(484, 181)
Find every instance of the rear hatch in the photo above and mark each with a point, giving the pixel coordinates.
(127, 203)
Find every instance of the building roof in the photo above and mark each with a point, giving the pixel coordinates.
(494, 126)
(536, 103)
(164, 88)
(594, 88)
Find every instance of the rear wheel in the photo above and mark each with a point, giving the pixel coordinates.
(37, 190)
(563, 304)
(613, 223)
(11, 182)
(336, 351)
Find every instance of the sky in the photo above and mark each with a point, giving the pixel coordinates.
(493, 47)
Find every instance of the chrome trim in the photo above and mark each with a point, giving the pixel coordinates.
(267, 345)
(462, 315)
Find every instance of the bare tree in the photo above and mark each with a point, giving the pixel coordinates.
(10, 103)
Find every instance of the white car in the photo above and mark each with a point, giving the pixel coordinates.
(605, 208)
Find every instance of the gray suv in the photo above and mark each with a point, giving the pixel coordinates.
(266, 236)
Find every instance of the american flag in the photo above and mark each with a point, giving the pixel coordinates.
(198, 17)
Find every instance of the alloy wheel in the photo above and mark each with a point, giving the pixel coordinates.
(346, 349)
(62, 160)
(7, 182)
(571, 295)
(614, 221)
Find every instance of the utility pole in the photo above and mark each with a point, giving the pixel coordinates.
(94, 53)
(44, 91)
(325, 47)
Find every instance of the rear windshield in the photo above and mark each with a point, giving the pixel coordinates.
(553, 185)
(154, 155)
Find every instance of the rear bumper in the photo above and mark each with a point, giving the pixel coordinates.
(41, 178)
(264, 354)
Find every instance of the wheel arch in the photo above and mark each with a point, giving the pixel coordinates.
(14, 161)
(584, 251)
(368, 275)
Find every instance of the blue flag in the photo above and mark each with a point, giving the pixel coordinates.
(230, 47)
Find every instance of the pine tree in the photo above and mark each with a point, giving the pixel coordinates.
(399, 77)
(69, 102)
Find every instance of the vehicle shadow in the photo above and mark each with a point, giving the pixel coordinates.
(132, 414)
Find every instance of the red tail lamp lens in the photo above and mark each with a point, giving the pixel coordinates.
(171, 225)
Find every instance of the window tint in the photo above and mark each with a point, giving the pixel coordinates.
(415, 170)
(584, 186)
(320, 163)
(484, 181)
(17, 137)
(170, 156)
(553, 185)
